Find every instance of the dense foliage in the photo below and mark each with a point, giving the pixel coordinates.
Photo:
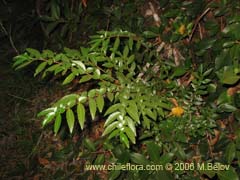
(167, 92)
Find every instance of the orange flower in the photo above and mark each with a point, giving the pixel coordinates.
(177, 111)
(182, 29)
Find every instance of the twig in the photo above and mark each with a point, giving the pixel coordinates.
(35, 147)
(9, 37)
(17, 97)
(197, 22)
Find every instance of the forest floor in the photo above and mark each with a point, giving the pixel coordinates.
(27, 151)
(21, 135)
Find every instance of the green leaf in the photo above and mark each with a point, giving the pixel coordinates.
(131, 124)
(85, 78)
(132, 110)
(227, 75)
(110, 96)
(130, 134)
(57, 123)
(149, 34)
(146, 122)
(67, 101)
(51, 26)
(21, 58)
(111, 118)
(80, 64)
(113, 108)
(116, 44)
(153, 151)
(100, 102)
(110, 128)
(33, 52)
(139, 159)
(100, 159)
(130, 43)
(92, 107)
(47, 111)
(92, 93)
(48, 118)
(114, 174)
(68, 79)
(70, 119)
(96, 74)
(227, 175)
(40, 68)
(150, 113)
(125, 51)
(226, 108)
(206, 73)
(230, 152)
(89, 144)
(23, 65)
(179, 71)
(81, 114)
(114, 133)
(166, 158)
(124, 139)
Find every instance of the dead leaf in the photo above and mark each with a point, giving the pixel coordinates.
(84, 2)
(43, 161)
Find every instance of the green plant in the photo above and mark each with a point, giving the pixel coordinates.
(169, 95)
(136, 100)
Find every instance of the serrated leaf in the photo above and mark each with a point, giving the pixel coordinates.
(40, 68)
(68, 79)
(100, 102)
(81, 115)
(111, 118)
(92, 107)
(130, 134)
(57, 123)
(110, 128)
(70, 119)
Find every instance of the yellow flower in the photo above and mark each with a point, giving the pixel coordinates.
(177, 111)
(182, 29)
